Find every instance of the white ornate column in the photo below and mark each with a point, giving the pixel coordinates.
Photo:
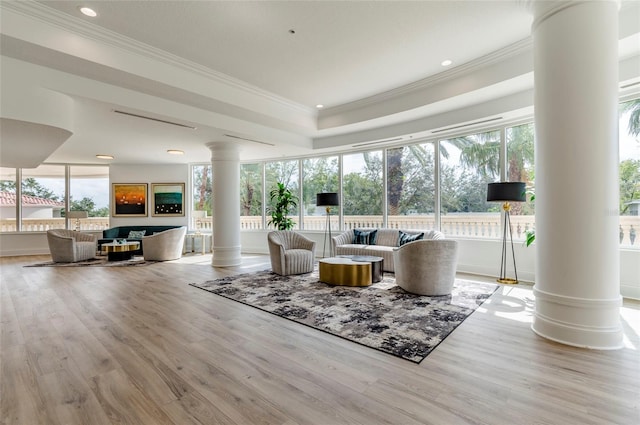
(225, 161)
(577, 286)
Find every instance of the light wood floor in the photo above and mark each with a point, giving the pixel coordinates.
(138, 345)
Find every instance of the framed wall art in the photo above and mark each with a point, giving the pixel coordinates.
(167, 199)
(129, 200)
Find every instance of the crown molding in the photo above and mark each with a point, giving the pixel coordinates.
(470, 67)
(78, 26)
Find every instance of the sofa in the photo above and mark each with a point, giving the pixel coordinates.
(122, 232)
(386, 241)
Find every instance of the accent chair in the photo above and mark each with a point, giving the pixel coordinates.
(69, 246)
(426, 267)
(165, 245)
(291, 252)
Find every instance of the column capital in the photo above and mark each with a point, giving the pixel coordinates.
(543, 9)
(221, 150)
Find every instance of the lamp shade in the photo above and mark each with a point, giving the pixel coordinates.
(77, 214)
(327, 199)
(506, 192)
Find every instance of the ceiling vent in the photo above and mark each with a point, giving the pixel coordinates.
(395, 139)
(465, 125)
(154, 119)
(249, 140)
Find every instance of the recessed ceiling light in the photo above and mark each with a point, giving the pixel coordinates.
(446, 62)
(103, 156)
(319, 106)
(87, 11)
(175, 151)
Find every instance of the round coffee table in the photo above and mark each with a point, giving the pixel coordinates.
(120, 251)
(376, 265)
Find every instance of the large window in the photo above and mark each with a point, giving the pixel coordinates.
(319, 175)
(89, 191)
(520, 168)
(467, 165)
(629, 143)
(8, 200)
(411, 187)
(362, 189)
(287, 173)
(251, 196)
(43, 194)
(201, 190)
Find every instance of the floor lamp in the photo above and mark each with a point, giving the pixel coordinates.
(506, 192)
(327, 199)
(77, 215)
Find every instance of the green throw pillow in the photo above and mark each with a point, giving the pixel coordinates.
(136, 234)
(361, 237)
(406, 238)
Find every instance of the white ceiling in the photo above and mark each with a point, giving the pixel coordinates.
(234, 68)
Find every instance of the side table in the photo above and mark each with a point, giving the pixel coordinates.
(192, 237)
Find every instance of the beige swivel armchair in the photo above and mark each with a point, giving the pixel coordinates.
(164, 246)
(69, 246)
(426, 267)
(291, 252)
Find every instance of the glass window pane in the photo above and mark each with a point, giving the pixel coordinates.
(287, 173)
(467, 165)
(89, 191)
(43, 198)
(250, 196)
(520, 168)
(201, 178)
(8, 200)
(320, 175)
(629, 142)
(362, 190)
(411, 187)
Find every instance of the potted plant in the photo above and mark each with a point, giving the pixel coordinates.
(282, 202)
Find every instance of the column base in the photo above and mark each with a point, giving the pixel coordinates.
(224, 256)
(578, 322)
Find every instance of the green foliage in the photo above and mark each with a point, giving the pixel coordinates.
(633, 107)
(250, 189)
(282, 201)
(202, 188)
(320, 175)
(629, 183)
(31, 187)
(362, 191)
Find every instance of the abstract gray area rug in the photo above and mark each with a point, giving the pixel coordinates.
(98, 262)
(382, 316)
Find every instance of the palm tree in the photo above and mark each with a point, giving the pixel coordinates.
(633, 107)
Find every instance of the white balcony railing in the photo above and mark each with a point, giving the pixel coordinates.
(453, 225)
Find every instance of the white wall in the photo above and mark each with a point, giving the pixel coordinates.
(178, 173)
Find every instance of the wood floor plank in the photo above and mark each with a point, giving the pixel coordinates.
(125, 403)
(138, 345)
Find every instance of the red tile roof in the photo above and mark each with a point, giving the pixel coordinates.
(8, 199)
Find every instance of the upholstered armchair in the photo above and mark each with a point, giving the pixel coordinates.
(69, 246)
(165, 245)
(291, 252)
(426, 267)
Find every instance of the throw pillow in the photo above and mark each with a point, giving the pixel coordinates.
(406, 238)
(136, 234)
(362, 237)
